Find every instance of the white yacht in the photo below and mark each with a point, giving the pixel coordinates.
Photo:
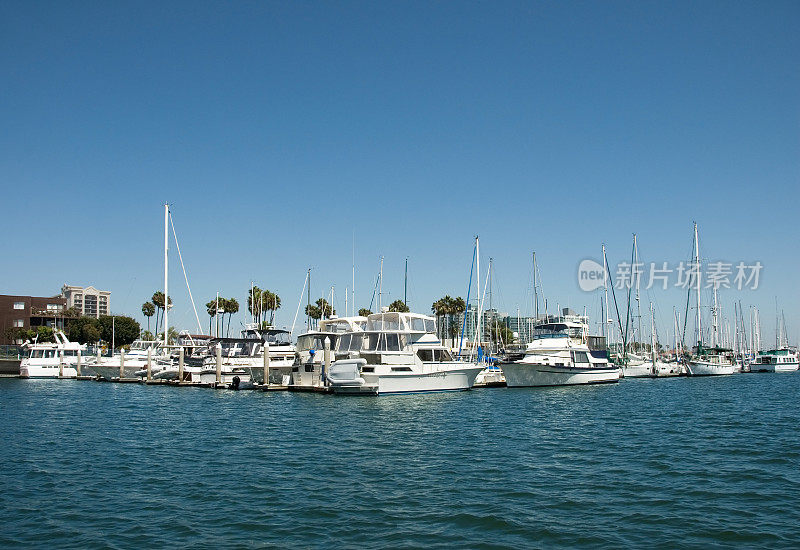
(783, 359)
(560, 355)
(308, 369)
(282, 354)
(134, 361)
(44, 359)
(398, 353)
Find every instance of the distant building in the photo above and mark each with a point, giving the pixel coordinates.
(29, 312)
(87, 300)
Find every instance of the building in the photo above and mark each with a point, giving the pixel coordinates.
(87, 301)
(29, 312)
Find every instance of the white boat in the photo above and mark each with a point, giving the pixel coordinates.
(282, 355)
(308, 369)
(783, 359)
(712, 362)
(134, 363)
(53, 359)
(398, 353)
(560, 356)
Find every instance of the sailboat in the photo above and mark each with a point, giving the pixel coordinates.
(713, 360)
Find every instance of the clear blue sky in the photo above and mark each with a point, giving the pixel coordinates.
(279, 130)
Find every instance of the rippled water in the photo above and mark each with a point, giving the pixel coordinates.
(670, 463)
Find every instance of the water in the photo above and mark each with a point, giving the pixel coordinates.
(664, 463)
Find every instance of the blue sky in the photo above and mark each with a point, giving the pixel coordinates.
(279, 131)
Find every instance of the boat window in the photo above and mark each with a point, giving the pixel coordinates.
(70, 353)
(49, 353)
(442, 355)
(580, 357)
(430, 325)
(425, 354)
(417, 324)
(344, 342)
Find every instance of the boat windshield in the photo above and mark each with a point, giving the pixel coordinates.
(315, 341)
(349, 342)
(279, 338)
(383, 341)
(43, 354)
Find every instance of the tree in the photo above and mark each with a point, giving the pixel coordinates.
(500, 333)
(254, 299)
(231, 307)
(314, 312)
(158, 301)
(118, 329)
(364, 312)
(211, 309)
(399, 305)
(172, 336)
(272, 302)
(83, 329)
(148, 310)
(147, 335)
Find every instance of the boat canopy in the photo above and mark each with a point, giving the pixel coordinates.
(397, 321)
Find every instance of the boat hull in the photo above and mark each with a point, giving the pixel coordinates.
(774, 367)
(435, 380)
(520, 375)
(701, 368)
(46, 370)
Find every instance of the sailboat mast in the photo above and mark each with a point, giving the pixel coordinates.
(535, 293)
(697, 277)
(638, 278)
(405, 285)
(166, 275)
(380, 291)
(714, 321)
(478, 275)
(605, 292)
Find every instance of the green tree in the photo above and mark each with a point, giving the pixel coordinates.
(147, 335)
(254, 301)
(364, 312)
(211, 309)
(44, 334)
(148, 310)
(231, 307)
(272, 302)
(118, 329)
(84, 330)
(399, 305)
(172, 335)
(158, 301)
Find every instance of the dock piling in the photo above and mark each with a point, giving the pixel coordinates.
(61, 363)
(266, 363)
(326, 360)
(219, 364)
(180, 364)
(78, 364)
(149, 364)
(121, 364)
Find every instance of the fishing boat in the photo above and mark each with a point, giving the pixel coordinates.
(560, 355)
(398, 353)
(53, 359)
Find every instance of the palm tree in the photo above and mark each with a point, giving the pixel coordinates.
(158, 301)
(272, 302)
(364, 312)
(231, 307)
(254, 300)
(211, 308)
(148, 310)
(398, 305)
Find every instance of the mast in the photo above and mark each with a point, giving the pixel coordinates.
(380, 291)
(605, 292)
(638, 278)
(478, 275)
(535, 294)
(308, 301)
(405, 285)
(166, 276)
(354, 274)
(653, 336)
(697, 276)
(714, 321)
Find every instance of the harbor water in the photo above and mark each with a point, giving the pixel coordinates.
(656, 463)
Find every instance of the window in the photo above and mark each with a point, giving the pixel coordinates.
(430, 325)
(54, 307)
(19, 305)
(19, 323)
(417, 324)
(425, 355)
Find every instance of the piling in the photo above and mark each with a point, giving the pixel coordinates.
(61, 363)
(121, 365)
(326, 360)
(149, 364)
(180, 364)
(266, 363)
(78, 364)
(219, 364)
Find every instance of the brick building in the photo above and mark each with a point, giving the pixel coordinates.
(29, 311)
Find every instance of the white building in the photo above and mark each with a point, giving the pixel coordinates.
(87, 300)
